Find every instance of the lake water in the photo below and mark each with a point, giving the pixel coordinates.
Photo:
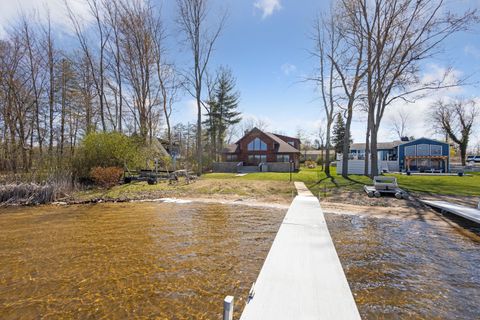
(178, 261)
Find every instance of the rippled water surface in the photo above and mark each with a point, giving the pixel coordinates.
(178, 261)
(409, 269)
(123, 261)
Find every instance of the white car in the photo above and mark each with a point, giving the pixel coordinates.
(472, 159)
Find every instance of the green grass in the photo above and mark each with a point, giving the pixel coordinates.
(444, 185)
(315, 179)
(318, 182)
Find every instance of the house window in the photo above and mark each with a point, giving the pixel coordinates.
(423, 150)
(283, 158)
(291, 143)
(410, 151)
(387, 155)
(257, 145)
(231, 157)
(257, 158)
(435, 150)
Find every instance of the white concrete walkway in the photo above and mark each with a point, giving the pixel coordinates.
(302, 277)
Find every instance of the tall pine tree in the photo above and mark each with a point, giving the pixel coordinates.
(339, 134)
(222, 109)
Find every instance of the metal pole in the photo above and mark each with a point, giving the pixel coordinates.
(228, 308)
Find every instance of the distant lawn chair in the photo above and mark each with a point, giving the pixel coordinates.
(382, 184)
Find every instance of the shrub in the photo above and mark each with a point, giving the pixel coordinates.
(107, 149)
(310, 164)
(106, 177)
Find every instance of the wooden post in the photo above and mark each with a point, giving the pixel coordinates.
(228, 308)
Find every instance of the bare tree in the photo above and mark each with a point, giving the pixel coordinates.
(456, 119)
(96, 64)
(399, 35)
(320, 141)
(399, 122)
(248, 123)
(114, 50)
(35, 76)
(170, 86)
(349, 63)
(141, 38)
(327, 45)
(192, 15)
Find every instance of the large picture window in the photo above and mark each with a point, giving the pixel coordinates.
(257, 158)
(257, 145)
(231, 157)
(423, 150)
(283, 158)
(410, 151)
(435, 150)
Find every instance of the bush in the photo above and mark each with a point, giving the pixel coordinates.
(310, 164)
(107, 149)
(106, 177)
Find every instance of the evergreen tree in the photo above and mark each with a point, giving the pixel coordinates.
(339, 134)
(222, 109)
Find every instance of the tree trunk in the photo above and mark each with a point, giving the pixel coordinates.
(62, 120)
(327, 140)
(51, 92)
(366, 172)
(463, 152)
(346, 140)
(374, 153)
(199, 136)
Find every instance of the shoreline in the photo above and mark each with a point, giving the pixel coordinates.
(179, 200)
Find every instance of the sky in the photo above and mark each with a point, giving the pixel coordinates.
(266, 43)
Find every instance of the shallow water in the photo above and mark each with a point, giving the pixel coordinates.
(124, 261)
(178, 261)
(409, 269)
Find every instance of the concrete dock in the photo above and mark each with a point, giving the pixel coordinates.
(472, 214)
(302, 277)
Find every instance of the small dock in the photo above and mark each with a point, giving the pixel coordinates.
(302, 277)
(472, 214)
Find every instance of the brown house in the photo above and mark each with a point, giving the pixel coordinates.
(261, 151)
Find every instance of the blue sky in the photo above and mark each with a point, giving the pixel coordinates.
(266, 43)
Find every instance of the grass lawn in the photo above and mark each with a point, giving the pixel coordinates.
(444, 185)
(315, 179)
(318, 182)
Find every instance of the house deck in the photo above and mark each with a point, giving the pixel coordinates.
(302, 277)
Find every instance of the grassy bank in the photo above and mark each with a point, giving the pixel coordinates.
(276, 187)
(442, 185)
(316, 180)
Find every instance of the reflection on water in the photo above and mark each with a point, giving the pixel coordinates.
(408, 269)
(128, 261)
(178, 261)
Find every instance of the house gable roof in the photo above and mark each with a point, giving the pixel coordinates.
(392, 144)
(425, 140)
(380, 145)
(283, 146)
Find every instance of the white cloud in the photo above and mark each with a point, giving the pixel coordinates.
(288, 69)
(268, 7)
(39, 9)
